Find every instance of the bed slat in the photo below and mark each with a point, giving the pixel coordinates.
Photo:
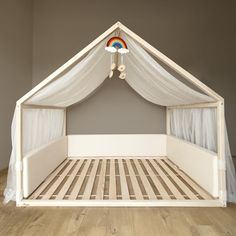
(171, 186)
(185, 189)
(151, 194)
(89, 185)
(56, 184)
(101, 180)
(69, 181)
(123, 182)
(156, 181)
(134, 181)
(80, 181)
(112, 181)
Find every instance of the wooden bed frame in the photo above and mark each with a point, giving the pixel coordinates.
(121, 173)
(218, 104)
(113, 181)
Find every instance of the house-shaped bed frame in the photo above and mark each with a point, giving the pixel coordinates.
(166, 167)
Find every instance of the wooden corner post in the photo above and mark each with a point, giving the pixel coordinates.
(65, 123)
(18, 166)
(167, 120)
(221, 152)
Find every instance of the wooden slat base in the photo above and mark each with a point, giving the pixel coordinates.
(119, 179)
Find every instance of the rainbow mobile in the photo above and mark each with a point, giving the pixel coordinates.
(117, 45)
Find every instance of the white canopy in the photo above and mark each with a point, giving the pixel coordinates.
(144, 75)
(75, 80)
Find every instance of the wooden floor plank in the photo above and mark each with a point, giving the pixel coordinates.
(48, 180)
(112, 181)
(156, 181)
(134, 181)
(171, 186)
(80, 180)
(183, 186)
(149, 190)
(101, 181)
(55, 185)
(69, 181)
(123, 181)
(89, 185)
(195, 186)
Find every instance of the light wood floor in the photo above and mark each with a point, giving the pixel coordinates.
(115, 221)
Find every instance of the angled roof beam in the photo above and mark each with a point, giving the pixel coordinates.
(171, 63)
(70, 62)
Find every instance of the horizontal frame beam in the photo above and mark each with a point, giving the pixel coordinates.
(123, 203)
(196, 105)
(33, 106)
(118, 157)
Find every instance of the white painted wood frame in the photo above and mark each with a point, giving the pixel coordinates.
(19, 153)
(46, 194)
(165, 60)
(65, 123)
(167, 121)
(122, 203)
(32, 106)
(195, 105)
(221, 152)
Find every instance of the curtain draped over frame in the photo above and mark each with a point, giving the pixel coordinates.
(143, 74)
(40, 126)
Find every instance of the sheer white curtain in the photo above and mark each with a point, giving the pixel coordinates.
(199, 126)
(40, 126)
(153, 82)
(144, 75)
(10, 190)
(230, 172)
(78, 82)
(49, 123)
(195, 125)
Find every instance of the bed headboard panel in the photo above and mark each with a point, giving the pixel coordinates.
(117, 145)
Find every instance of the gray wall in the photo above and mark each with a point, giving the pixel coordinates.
(115, 108)
(15, 64)
(199, 35)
